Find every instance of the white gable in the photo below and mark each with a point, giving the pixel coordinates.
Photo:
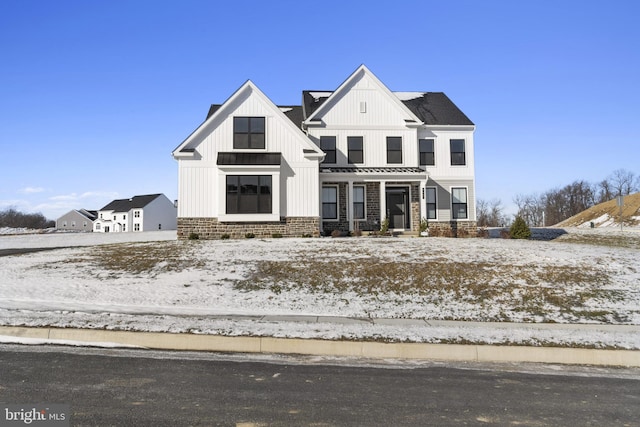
(216, 133)
(363, 101)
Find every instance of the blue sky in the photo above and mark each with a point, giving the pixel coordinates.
(94, 96)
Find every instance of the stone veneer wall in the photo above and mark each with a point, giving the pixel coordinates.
(453, 229)
(210, 228)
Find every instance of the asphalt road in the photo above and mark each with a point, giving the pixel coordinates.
(144, 388)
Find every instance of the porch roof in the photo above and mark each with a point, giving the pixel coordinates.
(412, 173)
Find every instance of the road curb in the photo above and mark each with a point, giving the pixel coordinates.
(316, 347)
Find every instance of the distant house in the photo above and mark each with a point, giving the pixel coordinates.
(346, 159)
(139, 213)
(77, 220)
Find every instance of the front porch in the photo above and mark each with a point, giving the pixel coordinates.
(357, 199)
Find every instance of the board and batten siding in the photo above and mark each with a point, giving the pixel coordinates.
(363, 105)
(201, 181)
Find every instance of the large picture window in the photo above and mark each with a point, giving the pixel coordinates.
(329, 202)
(458, 157)
(358, 202)
(328, 145)
(394, 149)
(355, 148)
(248, 194)
(248, 132)
(459, 203)
(427, 152)
(431, 202)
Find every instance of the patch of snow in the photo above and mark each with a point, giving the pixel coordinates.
(285, 109)
(408, 96)
(318, 95)
(5, 339)
(8, 231)
(52, 240)
(61, 288)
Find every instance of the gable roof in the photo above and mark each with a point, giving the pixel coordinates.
(357, 74)
(432, 108)
(90, 215)
(217, 109)
(125, 205)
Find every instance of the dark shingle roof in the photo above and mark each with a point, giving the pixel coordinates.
(294, 112)
(125, 205)
(212, 109)
(433, 108)
(270, 159)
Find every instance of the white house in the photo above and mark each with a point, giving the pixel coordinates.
(139, 213)
(345, 159)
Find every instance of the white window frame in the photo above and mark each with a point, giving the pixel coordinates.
(274, 171)
(466, 193)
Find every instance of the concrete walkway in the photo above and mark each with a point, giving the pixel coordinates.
(366, 349)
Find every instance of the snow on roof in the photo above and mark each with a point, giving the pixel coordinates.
(320, 94)
(408, 96)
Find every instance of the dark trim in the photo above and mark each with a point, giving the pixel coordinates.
(266, 159)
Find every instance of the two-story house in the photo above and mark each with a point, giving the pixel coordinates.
(345, 159)
(139, 213)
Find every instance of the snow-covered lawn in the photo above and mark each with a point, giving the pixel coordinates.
(189, 286)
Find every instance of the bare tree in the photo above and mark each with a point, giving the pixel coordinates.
(490, 214)
(623, 182)
(531, 208)
(14, 219)
(605, 192)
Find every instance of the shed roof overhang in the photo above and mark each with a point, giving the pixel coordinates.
(372, 174)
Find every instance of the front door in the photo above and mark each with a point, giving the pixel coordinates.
(398, 208)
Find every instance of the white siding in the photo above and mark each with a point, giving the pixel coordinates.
(197, 183)
(202, 182)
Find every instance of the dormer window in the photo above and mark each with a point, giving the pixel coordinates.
(248, 133)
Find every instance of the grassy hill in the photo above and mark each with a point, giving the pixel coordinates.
(607, 214)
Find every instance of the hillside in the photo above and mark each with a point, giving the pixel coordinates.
(607, 214)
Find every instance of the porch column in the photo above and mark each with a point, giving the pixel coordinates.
(423, 200)
(383, 201)
(350, 204)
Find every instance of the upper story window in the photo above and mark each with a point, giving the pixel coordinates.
(328, 145)
(136, 214)
(457, 152)
(248, 194)
(394, 149)
(427, 152)
(355, 149)
(248, 132)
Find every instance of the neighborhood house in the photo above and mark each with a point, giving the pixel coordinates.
(139, 213)
(77, 220)
(348, 159)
